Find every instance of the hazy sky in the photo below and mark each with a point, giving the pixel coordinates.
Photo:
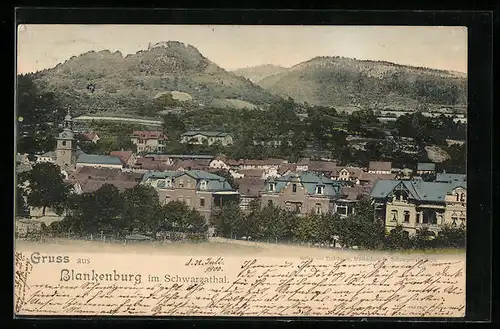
(233, 46)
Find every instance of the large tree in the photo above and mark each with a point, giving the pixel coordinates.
(38, 115)
(140, 210)
(47, 187)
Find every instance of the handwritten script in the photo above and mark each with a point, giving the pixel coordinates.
(245, 287)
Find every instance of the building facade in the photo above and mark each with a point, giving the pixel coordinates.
(209, 137)
(200, 190)
(148, 141)
(303, 192)
(416, 204)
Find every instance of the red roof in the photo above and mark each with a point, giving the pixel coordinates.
(123, 155)
(146, 134)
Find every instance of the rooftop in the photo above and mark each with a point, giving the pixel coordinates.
(98, 159)
(205, 133)
(309, 181)
(423, 166)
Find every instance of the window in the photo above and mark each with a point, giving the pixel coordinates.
(181, 183)
(462, 197)
(272, 187)
(454, 221)
(319, 189)
(202, 202)
(318, 208)
(406, 215)
(288, 206)
(462, 222)
(298, 207)
(394, 215)
(168, 182)
(270, 203)
(458, 197)
(418, 218)
(342, 210)
(294, 188)
(203, 185)
(63, 143)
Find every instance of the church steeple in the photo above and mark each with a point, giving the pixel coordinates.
(66, 145)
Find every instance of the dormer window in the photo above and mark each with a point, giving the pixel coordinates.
(319, 189)
(272, 187)
(203, 185)
(462, 197)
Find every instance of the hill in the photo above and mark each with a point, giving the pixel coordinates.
(260, 72)
(123, 83)
(337, 81)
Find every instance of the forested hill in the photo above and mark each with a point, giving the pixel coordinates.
(260, 72)
(123, 83)
(337, 81)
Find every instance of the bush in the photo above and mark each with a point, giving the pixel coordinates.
(450, 237)
(398, 239)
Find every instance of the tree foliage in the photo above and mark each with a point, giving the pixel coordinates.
(47, 187)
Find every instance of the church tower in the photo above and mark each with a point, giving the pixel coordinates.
(66, 146)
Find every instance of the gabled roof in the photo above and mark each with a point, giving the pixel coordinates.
(205, 133)
(214, 182)
(309, 181)
(417, 189)
(322, 166)
(123, 155)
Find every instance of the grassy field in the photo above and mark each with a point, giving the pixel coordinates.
(221, 247)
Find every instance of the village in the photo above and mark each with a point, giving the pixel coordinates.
(407, 198)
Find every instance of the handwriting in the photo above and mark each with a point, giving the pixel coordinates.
(22, 268)
(270, 287)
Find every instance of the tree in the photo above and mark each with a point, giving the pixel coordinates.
(47, 187)
(39, 111)
(360, 228)
(451, 237)
(398, 238)
(314, 228)
(140, 210)
(230, 221)
(176, 216)
(21, 205)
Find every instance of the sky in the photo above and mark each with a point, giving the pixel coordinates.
(236, 46)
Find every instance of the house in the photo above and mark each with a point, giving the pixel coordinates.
(149, 141)
(261, 164)
(127, 158)
(208, 137)
(455, 179)
(322, 167)
(253, 173)
(379, 167)
(349, 196)
(144, 164)
(304, 192)
(202, 191)
(90, 179)
(303, 164)
(416, 204)
(249, 189)
(49, 156)
(219, 162)
(183, 165)
(347, 174)
(90, 136)
(286, 169)
(426, 168)
(367, 178)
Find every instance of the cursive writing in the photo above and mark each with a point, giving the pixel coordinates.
(271, 287)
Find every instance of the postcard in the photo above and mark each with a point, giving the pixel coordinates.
(241, 170)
